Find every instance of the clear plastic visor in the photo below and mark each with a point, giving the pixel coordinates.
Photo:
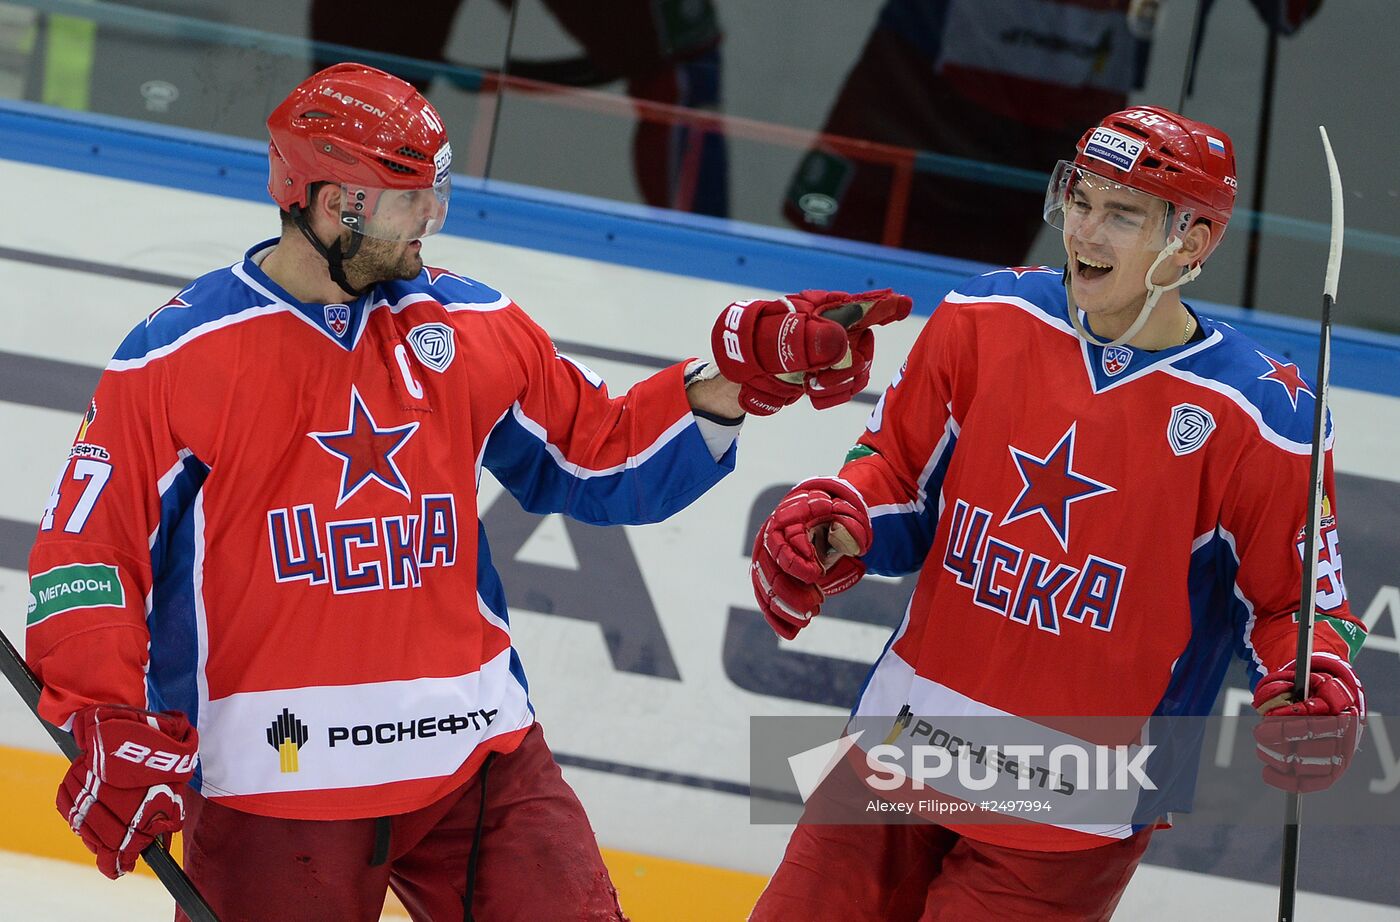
(395, 214)
(1096, 211)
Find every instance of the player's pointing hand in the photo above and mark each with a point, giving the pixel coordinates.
(814, 342)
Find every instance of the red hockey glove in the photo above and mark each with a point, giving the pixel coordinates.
(834, 386)
(807, 550)
(127, 786)
(776, 350)
(1307, 745)
(754, 341)
(857, 313)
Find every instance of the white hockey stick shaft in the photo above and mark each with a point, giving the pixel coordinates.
(1307, 606)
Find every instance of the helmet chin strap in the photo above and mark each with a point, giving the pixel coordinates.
(1154, 294)
(335, 257)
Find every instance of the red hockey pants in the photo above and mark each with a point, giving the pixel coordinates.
(538, 859)
(904, 873)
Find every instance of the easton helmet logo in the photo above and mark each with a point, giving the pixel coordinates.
(1115, 359)
(338, 318)
(434, 345)
(287, 734)
(352, 102)
(1189, 428)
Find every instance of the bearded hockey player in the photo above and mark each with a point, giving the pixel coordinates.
(1102, 492)
(265, 602)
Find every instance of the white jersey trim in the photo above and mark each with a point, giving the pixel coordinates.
(479, 308)
(1270, 435)
(418, 297)
(491, 616)
(228, 320)
(163, 484)
(1166, 366)
(257, 286)
(405, 731)
(1055, 323)
(895, 684)
(1148, 367)
(201, 620)
(951, 430)
(481, 455)
(1030, 307)
(1248, 637)
(587, 473)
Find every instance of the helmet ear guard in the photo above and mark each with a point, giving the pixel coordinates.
(356, 205)
(335, 254)
(1189, 221)
(1183, 220)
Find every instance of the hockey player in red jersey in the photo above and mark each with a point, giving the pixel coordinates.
(262, 596)
(1102, 492)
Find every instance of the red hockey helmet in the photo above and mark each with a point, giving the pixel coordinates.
(1186, 163)
(360, 127)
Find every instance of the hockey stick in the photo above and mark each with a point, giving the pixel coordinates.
(1193, 50)
(156, 855)
(500, 98)
(1307, 606)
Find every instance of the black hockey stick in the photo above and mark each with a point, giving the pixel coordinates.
(156, 855)
(1307, 606)
(1193, 50)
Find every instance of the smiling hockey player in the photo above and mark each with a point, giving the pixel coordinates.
(1102, 492)
(264, 600)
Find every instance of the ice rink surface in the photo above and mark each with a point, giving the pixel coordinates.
(41, 890)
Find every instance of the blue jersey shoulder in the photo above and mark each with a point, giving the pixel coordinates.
(445, 287)
(207, 299)
(1039, 286)
(1273, 384)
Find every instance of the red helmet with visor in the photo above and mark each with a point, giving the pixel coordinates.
(1140, 181)
(1186, 163)
(375, 136)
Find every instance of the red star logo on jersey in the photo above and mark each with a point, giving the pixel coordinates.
(366, 451)
(177, 301)
(1288, 377)
(1019, 271)
(1050, 485)
(434, 273)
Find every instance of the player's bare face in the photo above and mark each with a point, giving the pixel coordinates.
(384, 261)
(1111, 235)
(391, 231)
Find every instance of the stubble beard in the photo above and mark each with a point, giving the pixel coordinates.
(383, 261)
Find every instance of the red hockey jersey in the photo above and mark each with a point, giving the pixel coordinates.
(269, 522)
(1096, 531)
